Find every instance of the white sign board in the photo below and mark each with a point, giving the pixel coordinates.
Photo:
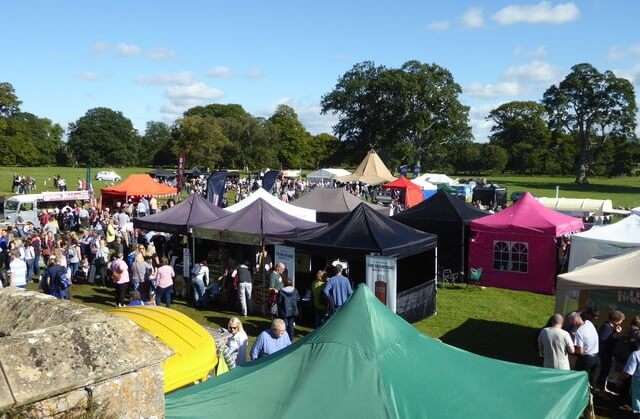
(65, 196)
(287, 255)
(382, 279)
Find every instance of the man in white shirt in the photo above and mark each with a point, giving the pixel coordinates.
(587, 346)
(18, 271)
(555, 344)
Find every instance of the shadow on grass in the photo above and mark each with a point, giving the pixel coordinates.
(505, 341)
(96, 299)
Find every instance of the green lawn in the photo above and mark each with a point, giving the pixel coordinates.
(623, 191)
(70, 174)
(498, 323)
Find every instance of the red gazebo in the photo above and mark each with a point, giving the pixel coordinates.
(411, 193)
(135, 186)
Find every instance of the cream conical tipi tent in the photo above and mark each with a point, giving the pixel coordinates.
(371, 171)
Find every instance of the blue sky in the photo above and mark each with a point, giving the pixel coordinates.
(153, 59)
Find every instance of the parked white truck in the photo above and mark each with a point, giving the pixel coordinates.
(28, 206)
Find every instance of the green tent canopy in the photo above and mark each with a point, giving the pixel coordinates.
(366, 362)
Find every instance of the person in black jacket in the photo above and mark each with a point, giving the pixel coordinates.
(288, 306)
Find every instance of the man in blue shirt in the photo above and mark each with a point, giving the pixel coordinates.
(338, 288)
(271, 341)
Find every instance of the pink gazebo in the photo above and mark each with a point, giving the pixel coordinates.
(516, 248)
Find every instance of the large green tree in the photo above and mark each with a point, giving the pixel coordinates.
(156, 145)
(522, 130)
(294, 142)
(25, 139)
(9, 102)
(593, 107)
(403, 112)
(104, 137)
(201, 140)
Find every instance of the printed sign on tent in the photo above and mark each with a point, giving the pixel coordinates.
(287, 255)
(382, 279)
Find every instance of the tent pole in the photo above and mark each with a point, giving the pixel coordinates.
(462, 266)
(193, 248)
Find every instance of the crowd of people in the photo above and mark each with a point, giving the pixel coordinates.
(610, 354)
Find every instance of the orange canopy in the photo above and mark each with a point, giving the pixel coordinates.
(136, 186)
(412, 193)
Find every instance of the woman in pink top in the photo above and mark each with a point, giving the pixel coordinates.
(164, 282)
(120, 277)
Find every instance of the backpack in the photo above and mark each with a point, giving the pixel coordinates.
(63, 280)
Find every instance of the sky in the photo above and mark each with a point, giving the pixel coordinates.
(152, 60)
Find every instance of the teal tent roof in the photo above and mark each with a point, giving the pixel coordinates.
(366, 362)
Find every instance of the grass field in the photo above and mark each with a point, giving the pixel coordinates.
(624, 191)
(70, 174)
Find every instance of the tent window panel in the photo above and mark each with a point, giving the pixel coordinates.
(501, 256)
(519, 257)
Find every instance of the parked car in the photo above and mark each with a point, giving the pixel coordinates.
(108, 175)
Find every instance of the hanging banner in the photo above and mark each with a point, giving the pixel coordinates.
(186, 263)
(382, 279)
(180, 172)
(287, 255)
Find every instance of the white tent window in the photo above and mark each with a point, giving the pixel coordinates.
(511, 256)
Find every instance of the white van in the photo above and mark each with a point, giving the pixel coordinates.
(28, 206)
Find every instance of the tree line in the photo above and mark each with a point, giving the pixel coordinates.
(585, 125)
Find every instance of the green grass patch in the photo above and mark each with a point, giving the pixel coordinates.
(623, 191)
(70, 175)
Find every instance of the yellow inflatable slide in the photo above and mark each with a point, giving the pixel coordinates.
(194, 350)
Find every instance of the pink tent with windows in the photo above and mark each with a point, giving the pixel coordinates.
(516, 248)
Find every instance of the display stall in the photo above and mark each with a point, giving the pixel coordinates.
(365, 232)
(332, 204)
(371, 171)
(410, 193)
(490, 195)
(134, 187)
(366, 362)
(326, 176)
(608, 240)
(182, 217)
(607, 284)
(428, 188)
(516, 248)
(294, 211)
(447, 217)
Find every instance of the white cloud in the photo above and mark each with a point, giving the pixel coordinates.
(480, 126)
(181, 98)
(537, 53)
(88, 76)
(182, 78)
(439, 25)
(504, 88)
(221, 71)
(100, 47)
(632, 74)
(255, 73)
(536, 70)
(160, 54)
(617, 52)
(543, 12)
(472, 18)
(127, 50)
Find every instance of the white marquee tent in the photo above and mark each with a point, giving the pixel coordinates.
(575, 205)
(424, 184)
(326, 175)
(436, 178)
(304, 213)
(618, 273)
(608, 240)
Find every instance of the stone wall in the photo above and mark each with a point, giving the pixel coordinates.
(59, 356)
